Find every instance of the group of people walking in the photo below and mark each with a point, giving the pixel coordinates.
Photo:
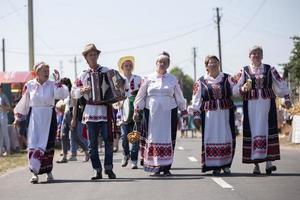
(154, 101)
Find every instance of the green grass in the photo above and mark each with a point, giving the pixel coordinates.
(12, 161)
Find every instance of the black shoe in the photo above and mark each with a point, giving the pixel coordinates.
(155, 174)
(270, 169)
(63, 160)
(98, 175)
(110, 174)
(167, 173)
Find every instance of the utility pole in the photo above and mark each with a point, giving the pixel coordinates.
(3, 53)
(75, 67)
(219, 37)
(194, 63)
(75, 61)
(30, 34)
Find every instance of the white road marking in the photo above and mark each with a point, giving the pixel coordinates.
(222, 183)
(180, 148)
(192, 159)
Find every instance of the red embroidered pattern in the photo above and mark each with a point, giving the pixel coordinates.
(214, 151)
(277, 75)
(259, 143)
(163, 151)
(91, 117)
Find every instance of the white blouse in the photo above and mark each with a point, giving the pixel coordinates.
(279, 85)
(37, 95)
(157, 89)
(197, 99)
(132, 85)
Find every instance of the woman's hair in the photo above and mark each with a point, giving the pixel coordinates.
(67, 82)
(207, 58)
(164, 54)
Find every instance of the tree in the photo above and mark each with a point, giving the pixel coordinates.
(292, 68)
(185, 81)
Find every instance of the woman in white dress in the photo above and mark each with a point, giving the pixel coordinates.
(159, 96)
(38, 101)
(212, 105)
(259, 84)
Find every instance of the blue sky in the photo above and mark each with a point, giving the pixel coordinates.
(146, 28)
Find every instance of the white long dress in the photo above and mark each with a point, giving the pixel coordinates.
(159, 94)
(41, 99)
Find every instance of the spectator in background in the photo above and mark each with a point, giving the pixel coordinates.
(68, 127)
(4, 109)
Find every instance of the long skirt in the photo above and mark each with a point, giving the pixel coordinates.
(41, 140)
(218, 139)
(158, 140)
(260, 132)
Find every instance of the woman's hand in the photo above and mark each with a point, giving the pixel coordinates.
(247, 86)
(136, 116)
(16, 123)
(56, 75)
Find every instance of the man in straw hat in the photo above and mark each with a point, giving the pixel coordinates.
(96, 117)
(259, 84)
(126, 65)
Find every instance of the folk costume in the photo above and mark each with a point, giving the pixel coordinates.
(38, 102)
(213, 105)
(159, 96)
(260, 131)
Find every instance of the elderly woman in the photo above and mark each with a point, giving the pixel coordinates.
(159, 96)
(212, 104)
(126, 65)
(259, 84)
(96, 116)
(37, 101)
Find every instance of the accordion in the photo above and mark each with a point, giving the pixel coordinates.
(107, 87)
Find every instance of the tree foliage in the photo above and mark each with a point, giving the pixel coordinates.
(185, 81)
(292, 68)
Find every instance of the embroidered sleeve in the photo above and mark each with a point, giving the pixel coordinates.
(60, 91)
(75, 91)
(196, 99)
(241, 79)
(279, 84)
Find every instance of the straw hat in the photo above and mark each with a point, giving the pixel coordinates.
(90, 47)
(123, 59)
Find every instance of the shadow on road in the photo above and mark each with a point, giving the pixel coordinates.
(184, 177)
(252, 175)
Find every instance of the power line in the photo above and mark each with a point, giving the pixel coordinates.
(12, 12)
(246, 24)
(124, 49)
(159, 41)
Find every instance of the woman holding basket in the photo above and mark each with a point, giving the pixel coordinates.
(159, 97)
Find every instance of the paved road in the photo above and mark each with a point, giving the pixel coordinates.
(72, 180)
